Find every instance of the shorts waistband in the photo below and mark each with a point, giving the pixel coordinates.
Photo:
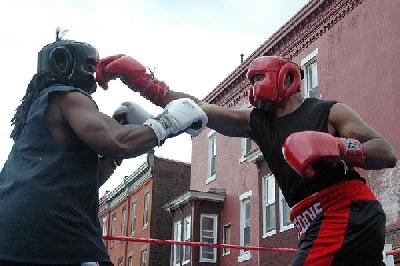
(304, 212)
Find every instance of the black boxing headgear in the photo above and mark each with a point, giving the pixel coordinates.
(74, 55)
(271, 87)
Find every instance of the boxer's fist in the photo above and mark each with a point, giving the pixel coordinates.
(103, 76)
(131, 113)
(302, 149)
(178, 116)
(133, 74)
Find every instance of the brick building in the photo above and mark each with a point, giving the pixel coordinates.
(349, 51)
(135, 209)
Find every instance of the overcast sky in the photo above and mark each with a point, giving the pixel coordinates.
(192, 45)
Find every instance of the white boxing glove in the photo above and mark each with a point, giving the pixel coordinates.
(178, 116)
(131, 113)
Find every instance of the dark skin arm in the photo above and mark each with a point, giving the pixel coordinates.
(74, 121)
(101, 132)
(343, 122)
(105, 169)
(346, 123)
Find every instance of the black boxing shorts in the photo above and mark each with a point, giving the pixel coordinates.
(342, 225)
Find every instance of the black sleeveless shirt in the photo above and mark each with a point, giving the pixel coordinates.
(49, 197)
(270, 132)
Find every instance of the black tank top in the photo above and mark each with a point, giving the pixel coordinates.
(49, 197)
(270, 132)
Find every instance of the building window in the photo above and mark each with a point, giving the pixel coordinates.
(187, 237)
(143, 257)
(212, 155)
(309, 66)
(114, 219)
(245, 142)
(130, 261)
(146, 209)
(246, 146)
(123, 221)
(104, 227)
(227, 238)
(284, 214)
(133, 218)
(177, 237)
(245, 215)
(269, 219)
(208, 234)
(120, 261)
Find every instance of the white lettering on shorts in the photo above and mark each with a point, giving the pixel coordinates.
(305, 219)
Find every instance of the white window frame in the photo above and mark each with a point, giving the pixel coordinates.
(208, 237)
(269, 200)
(187, 236)
(227, 239)
(123, 221)
(244, 223)
(245, 146)
(146, 206)
(104, 227)
(113, 221)
(134, 217)
(306, 63)
(282, 206)
(212, 156)
(177, 237)
(143, 256)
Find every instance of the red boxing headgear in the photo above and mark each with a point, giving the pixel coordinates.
(271, 88)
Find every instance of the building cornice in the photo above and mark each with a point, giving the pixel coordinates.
(129, 184)
(191, 196)
(304, 28)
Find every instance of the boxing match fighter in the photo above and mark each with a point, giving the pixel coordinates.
(49, 183)
(312, 147)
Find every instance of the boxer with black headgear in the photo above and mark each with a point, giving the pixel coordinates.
(64, 61)
(64, 150)
(311, 146)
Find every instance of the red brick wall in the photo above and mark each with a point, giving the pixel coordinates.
(358, 63)
(169, 179)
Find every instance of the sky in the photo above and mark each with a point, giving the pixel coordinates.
(192, 45)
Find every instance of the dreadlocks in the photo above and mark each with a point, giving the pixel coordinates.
(38, 82)
(60, 62)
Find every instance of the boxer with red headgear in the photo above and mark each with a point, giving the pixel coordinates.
(312, 147)
(271, 87)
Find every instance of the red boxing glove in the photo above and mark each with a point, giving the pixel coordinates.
(302, 149)
(133, 74)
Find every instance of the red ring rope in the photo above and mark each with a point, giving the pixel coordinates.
(195, 244)
(198, 244)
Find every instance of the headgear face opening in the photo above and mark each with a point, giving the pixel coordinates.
(272, 86)
(73, 55)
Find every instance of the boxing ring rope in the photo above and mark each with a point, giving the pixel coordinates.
(194, 244)
(204, 244)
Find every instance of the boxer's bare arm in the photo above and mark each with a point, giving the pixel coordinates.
(348, 124)
(105, 169)
(74, 119)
